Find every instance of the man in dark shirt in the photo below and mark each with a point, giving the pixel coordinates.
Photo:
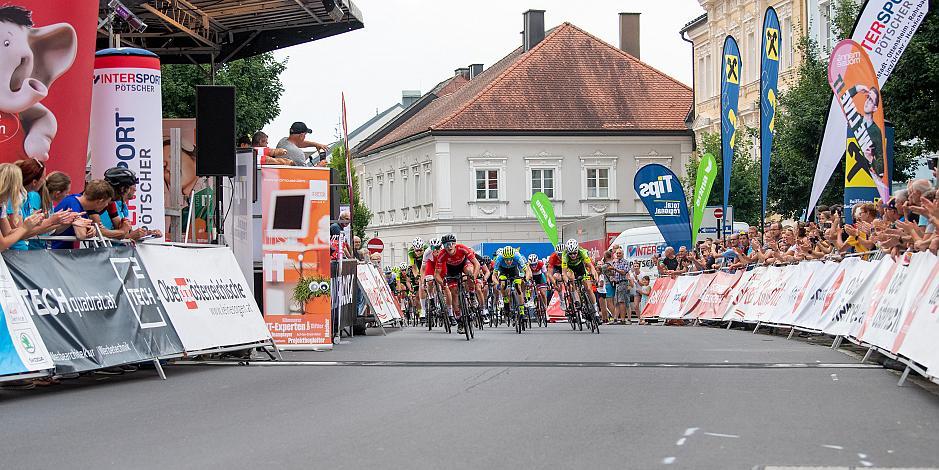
(669, 263)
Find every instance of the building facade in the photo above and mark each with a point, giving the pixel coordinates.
(743, 19)
(565, 114)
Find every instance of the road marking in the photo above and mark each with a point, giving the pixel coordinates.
(542, 364)
(833, 447)
(681, 442)
(690, 431)
(717, 434)
(668, 460)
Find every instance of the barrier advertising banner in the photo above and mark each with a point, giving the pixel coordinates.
(664, 198)
(104, 314)
(888, 309)
(378, 294)
(917, 336)
(792, 294)
(849, 306)
(658, 297)
(730, 95)
(735, 295)
(49, 62)
(703, 281)
(716, 297)
(21, 348)
(820, 291)
(344, 299)
(852, 78)
(769, 78)
(677, 297)
(126, 117)
(295, 234)
(205, 295)
(883, 30)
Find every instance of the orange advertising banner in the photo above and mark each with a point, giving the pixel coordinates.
(658, 297)
(295, 233)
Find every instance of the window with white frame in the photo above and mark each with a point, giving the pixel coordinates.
(391, 192)
(418, 190)
(487, 184)
(381, 193)
(542, 180)
(405, 189)
(598, 183)
(787, 46)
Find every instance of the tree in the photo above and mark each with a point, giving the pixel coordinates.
(257, 89)
(362, 215)
(744, 180)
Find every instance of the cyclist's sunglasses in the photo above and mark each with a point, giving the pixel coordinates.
(449, 245)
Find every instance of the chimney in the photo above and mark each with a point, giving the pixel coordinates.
(629, 33)
(533, 28)
(464, 71)
(409, 96)
(475, 70)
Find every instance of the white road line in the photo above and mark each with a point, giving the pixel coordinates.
(690, 431)
(717, 434)
(681, 442)
(833, 447)
(668, 460)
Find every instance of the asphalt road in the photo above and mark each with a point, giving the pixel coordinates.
(631, 397)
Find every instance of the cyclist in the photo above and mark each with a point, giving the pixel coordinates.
(575, 263)
(415, 261)
(555, 269)
(453, 260)
(404, 283)
(539, 273)
(391, 277)
(509, 266)
(482, 280)
(430, 286)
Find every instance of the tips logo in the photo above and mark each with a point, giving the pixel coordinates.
(656, 188)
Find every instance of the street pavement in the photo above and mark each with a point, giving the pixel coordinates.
(632, 397)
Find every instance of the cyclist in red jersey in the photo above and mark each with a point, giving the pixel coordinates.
(453, 260)
(555, 270)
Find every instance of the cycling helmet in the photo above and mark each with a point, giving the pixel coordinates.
(418, 244)
(572, 246)
(120, 177)
(387, 269)
(403, 266)
(435, 243)
(559, 248)
(532, 258)
(448, 238)
(508, 252)
(487, 260)
(500, 252)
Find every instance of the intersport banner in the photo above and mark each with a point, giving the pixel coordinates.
(45, 106)
(845, 313)
(730, 95)
(704, 180)
(93, 307)
(21, 348)
(205, 295)
(662, 194)
(716, 297)
(852, 78)
(658, 297)
(769, 79)
(890, 307)
(883, 30)
(917, 337)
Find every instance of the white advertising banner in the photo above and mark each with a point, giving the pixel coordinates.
(378, 294)
(793, 294)
(916, 339)
(884, 28)
(205, 295)
(847, 311)
(674, 307)
(808, 314)
(889, 307)
(21, 347)
(736, 294)
(127, 127)
(763, 296)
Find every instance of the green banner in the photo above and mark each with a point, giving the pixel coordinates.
(544, 211)
(707, 171)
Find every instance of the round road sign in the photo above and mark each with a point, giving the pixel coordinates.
(375, 245)
(718, 213)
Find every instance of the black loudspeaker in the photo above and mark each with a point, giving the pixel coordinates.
(215, 131)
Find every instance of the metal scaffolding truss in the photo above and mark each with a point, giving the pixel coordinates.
(218, 31)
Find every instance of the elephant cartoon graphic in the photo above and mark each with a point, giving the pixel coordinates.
(31, 58)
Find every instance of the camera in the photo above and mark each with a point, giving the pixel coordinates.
(136, 24)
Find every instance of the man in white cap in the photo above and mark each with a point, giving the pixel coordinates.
(296, 141)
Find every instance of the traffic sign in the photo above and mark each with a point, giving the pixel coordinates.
(375, 245)
(718, 213)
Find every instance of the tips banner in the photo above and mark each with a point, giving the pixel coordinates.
(852, 78)
(544, 211)
(730, 95)
(707, 172)
(661, 192)
(769, 78)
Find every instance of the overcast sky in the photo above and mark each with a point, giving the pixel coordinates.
(414, 44)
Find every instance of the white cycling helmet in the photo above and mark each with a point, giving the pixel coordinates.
(559, 248)
(403, 265)
(532, 258)
(418, 244)
(435, 243)
(499, 252)
(572, 246)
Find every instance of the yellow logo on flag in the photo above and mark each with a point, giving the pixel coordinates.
(771, 97)
(732, 118)
(772, 44)
(733, 68)
(856, 173)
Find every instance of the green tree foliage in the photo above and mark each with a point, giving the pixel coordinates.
(362, 215)
(744, 180)
(257, 89)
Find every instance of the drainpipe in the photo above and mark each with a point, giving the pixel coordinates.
(694, 141)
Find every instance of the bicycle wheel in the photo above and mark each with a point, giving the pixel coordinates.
(465, 313)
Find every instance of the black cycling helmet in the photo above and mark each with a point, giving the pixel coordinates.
(448, 238)
(487, 259)
(120, 177)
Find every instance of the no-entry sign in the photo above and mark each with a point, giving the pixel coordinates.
(718, 213)
(375, 245)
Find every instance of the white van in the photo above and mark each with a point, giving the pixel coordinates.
(640, 244)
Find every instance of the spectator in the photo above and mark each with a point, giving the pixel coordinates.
(645, 290)
(267, 155)
(622, 295)
(58, 185)
(114, 221)
(668, 266)
(96, 197)
(36, 200)
(244, 142)
(361, 254)
(604, 286)
(635, 278)
(297, 141)
(12, 197)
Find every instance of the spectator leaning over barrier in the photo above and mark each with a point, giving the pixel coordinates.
(361, 254)
(297, 141)
(11, 193)
(114, 220)
(668, 265)
(36, 199)
(96, 197)
(58, 185)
